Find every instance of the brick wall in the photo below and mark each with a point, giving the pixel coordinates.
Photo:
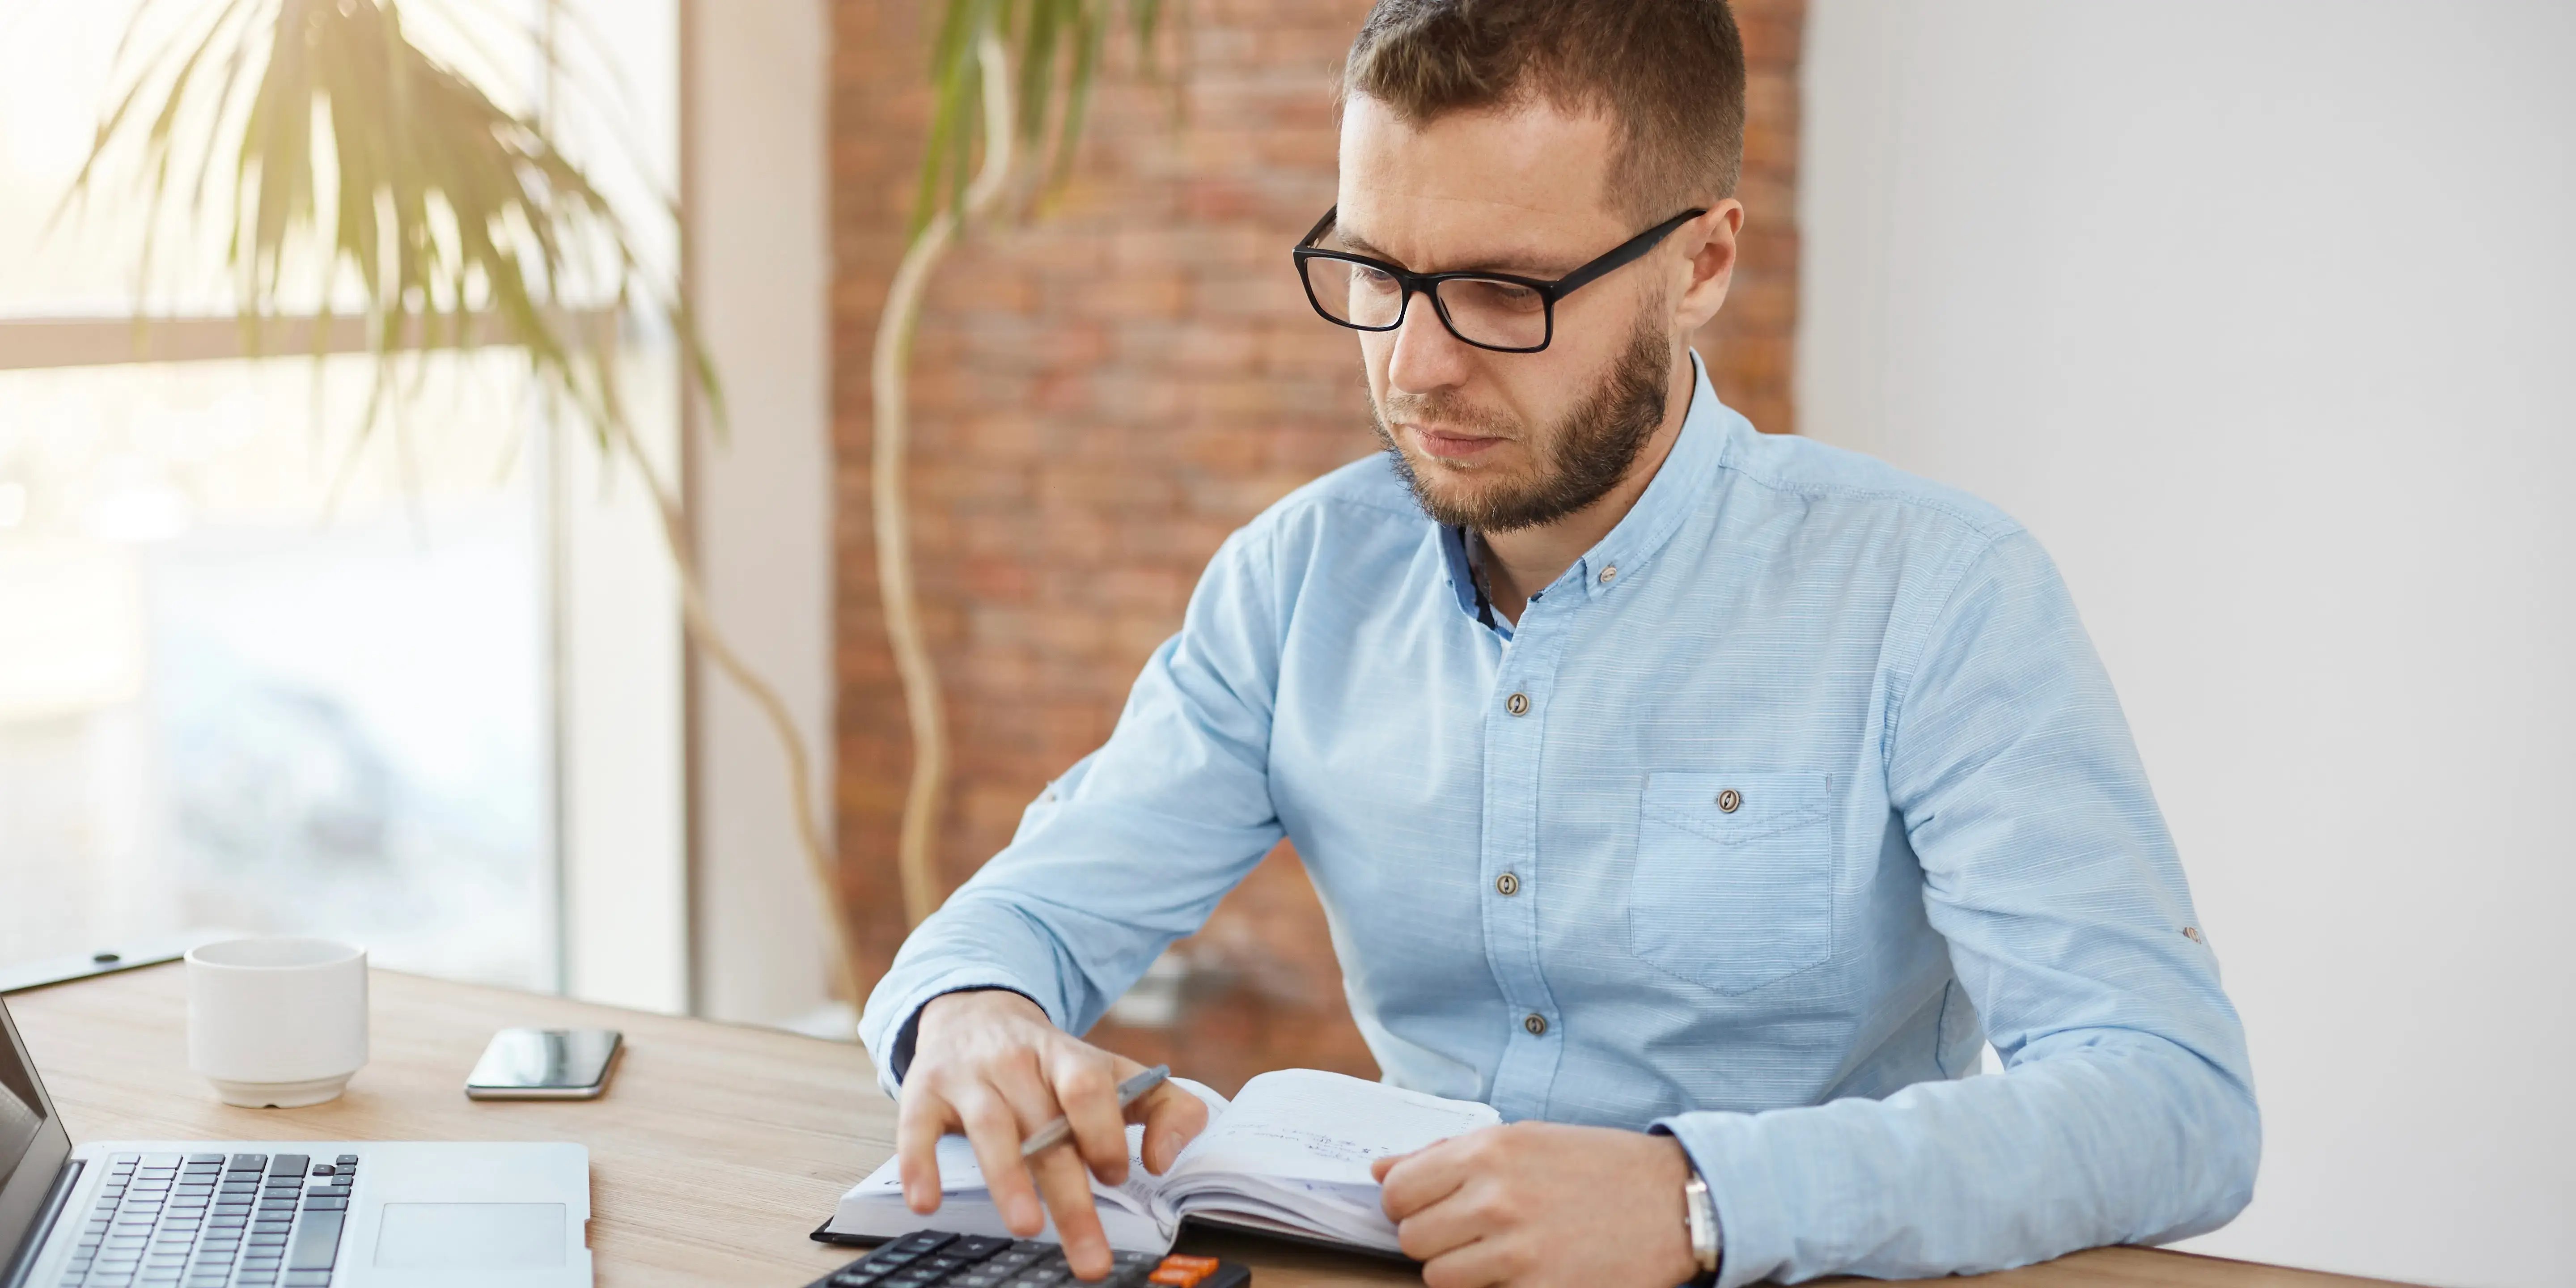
(1100, 397)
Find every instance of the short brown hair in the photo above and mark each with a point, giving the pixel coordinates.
(1669, 73)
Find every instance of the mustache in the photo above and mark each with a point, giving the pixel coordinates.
(1445, 412)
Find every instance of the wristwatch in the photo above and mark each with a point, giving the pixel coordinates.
(1700, 1212)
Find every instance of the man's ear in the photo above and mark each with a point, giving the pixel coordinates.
(1708, 244)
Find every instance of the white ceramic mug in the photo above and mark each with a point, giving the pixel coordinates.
(277, 1023)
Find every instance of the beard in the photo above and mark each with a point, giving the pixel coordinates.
(1586, 454)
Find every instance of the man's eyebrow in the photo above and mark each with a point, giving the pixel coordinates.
(1518, 263)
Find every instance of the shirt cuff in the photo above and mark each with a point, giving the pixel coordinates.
(1752, 1229)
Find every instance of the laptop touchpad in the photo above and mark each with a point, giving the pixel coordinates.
(470, 1236)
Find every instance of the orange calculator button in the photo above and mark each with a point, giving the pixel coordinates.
(1182, 1272)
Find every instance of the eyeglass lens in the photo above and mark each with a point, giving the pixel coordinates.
(1485, 311)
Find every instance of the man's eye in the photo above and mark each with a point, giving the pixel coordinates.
(1372, 278)
(1487, 294)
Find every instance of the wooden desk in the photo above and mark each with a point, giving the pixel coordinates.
(717, 1149)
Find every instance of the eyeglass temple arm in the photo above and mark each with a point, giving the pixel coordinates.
(1320, 226)
(1621, 255)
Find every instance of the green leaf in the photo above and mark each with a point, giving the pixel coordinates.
(1054, 49)
(444, 207)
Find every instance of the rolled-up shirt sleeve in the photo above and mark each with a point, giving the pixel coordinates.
(2125, 1111)
(1133, 847)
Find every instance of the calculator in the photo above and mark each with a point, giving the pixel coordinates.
(938, 1259)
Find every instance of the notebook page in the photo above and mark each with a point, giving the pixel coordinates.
(1323, 1129)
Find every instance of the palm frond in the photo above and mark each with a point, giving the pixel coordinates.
(361, 163)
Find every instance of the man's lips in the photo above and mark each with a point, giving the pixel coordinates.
(1453, 445)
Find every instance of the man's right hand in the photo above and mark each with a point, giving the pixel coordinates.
(990, 1065)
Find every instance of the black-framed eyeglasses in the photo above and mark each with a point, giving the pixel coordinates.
(1496, 311)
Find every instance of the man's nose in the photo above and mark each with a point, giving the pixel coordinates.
(1427, 357)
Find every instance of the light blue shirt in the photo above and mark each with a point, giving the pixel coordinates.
(1794, 789)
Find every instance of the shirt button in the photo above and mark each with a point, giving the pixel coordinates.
(1517, 704)
(1507, 885)
(1609, 574)
(1536, 1024)
(2191, 933)
(1729, 801)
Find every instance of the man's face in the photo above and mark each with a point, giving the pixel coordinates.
(1499, 441)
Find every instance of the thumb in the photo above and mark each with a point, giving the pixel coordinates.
(1173, 1118)
(1379, 1169)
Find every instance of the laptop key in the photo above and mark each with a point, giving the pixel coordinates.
(317, 1241)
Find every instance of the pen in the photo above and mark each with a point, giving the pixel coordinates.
(1055, 1132)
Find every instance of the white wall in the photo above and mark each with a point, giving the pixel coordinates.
(2263, 316)
(620, 723)
(760, 262)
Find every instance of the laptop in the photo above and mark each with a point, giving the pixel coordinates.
(277, 1214)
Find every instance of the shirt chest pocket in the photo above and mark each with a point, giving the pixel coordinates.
(1733, 885)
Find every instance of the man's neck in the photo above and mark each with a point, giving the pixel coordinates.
(1529, 559)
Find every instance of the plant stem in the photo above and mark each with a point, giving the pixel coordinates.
(916, 854)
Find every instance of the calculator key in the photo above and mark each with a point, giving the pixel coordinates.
(1183, 1272)
(974, 1247)
(921, 1241)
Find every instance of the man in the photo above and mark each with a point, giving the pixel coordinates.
(1701, 800)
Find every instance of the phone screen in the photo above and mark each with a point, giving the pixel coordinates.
(545, 1059)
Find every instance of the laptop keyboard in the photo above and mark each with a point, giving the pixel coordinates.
(214, 1221)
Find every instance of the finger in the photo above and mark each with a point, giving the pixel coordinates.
(994, 1130)
(1379, 1169)
(1445, 1226)
(920, 1120)
(1066, 1184)
(1481, 1264)
(1424, 1177)
(1086, 1085)
(1173, 1118)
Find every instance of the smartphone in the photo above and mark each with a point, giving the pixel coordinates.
(545, 1064)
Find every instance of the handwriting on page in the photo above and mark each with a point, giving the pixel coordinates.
(1320, 1144)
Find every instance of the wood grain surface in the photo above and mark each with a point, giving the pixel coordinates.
(717, 1149)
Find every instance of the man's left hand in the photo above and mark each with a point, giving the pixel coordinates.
(1530, 1204)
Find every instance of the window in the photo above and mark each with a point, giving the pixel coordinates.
(262, 671)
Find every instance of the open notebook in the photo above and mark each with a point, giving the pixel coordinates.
(1289, 1155)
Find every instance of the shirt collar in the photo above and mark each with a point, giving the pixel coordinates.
(1668, 499)
(1462, 579)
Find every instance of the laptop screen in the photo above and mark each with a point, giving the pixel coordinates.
(32, 1144)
